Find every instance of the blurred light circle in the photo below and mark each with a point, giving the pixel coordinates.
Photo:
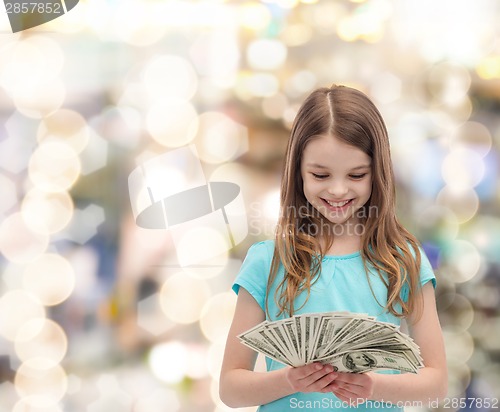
(137, 25)
(462, 169)
(216, 55)
(274, 106)
(478, 361)
(182, 298)
(17, 63)
(172, 123)
(41, 338)
(219, 138)
(459, 314)
(40, 382)
(485, 328)
(365, 25)
(232, 172)
(464, 258)
(253, 16)
(214, 359)
(486, 297)
(296, 34)
(214, 394)
(257, 85)
(168, 361)
(41, 99)
(289, 115)
(439, 223)
(54, 166)
(26, 405)
(263, 85)
(459, 111)
(464, 203)
(301, 83)
(203, 244)
(66, 125)
(196, 367)
(30, 62)
(159, 399)
(53, 56)
(473, 136)
(266, 54)
(171, 76)
(491, 375)
(17, 307)
(386, 87)
(19, 243)
(210, 268)
(271, 205)
(121, 125)
(9, 193)
(287, 4)
(489, 67)
(449, 82)
(216, 316)
(459, 344)
(459, 377)
(50, 278)
(483, 232)
(47, 213)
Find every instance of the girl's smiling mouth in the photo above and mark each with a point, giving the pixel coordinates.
(344, 204)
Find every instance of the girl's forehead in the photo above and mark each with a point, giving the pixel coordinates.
(326, 150)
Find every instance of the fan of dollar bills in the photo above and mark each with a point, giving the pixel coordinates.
(351, 342)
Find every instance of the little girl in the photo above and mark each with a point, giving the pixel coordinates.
(338, 247)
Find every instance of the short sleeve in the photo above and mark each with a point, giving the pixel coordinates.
(426, 274)
(254, 271)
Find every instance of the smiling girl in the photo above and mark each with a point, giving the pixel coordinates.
(338, 247)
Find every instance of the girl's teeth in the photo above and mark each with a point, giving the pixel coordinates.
(340, 204)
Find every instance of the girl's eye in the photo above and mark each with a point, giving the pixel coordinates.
(317, 176)
(358, 177)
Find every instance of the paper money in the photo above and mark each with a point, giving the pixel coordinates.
(351, 342)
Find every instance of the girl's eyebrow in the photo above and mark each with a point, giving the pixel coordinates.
(317, 165)
(361, 167)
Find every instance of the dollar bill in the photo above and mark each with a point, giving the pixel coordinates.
(351, 342)
(360, 361)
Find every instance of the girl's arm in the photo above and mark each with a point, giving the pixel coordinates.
(430, 383)
(240, 386)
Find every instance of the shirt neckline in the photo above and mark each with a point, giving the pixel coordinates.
(346, 256)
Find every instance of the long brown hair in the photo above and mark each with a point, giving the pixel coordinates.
(350, 116)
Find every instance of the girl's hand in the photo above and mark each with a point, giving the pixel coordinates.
(310, 378)
(352, 388)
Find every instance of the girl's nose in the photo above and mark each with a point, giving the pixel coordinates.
(338, 189)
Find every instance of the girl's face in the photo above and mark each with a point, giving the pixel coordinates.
(337, 178)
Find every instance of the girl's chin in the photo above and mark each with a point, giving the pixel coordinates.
(338, 219)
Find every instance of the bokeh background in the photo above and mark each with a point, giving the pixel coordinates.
(95, 314)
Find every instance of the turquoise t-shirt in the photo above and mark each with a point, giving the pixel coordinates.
(343, 285)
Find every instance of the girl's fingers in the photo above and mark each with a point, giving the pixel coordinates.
(351, 387)
(325, 381)
(316, 375)
(311, 378)
(302, 372)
